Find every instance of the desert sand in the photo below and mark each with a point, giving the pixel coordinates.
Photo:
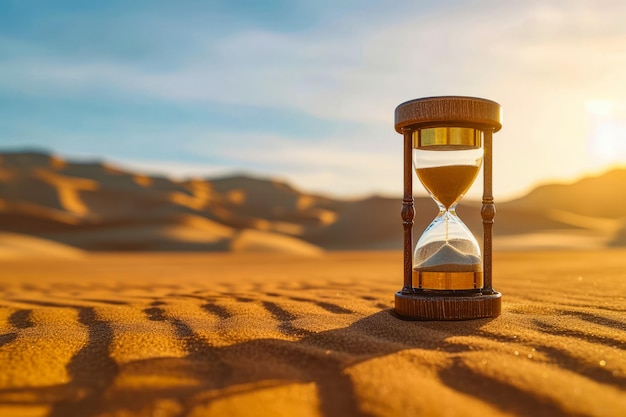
(96, 206)
(242, 334)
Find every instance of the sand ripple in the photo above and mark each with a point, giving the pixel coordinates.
(197, 335)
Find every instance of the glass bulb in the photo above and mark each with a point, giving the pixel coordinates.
(447, 256)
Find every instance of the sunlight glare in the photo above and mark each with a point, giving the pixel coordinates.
(600, 107)
(607, 132)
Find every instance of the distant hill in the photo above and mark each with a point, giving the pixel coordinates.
(595, 205)
(98, 207)
(601, 196)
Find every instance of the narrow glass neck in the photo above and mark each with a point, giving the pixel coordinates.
(443, 210)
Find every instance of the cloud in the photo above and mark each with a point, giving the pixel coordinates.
(343, 71)
(341, 165)
(541, 60)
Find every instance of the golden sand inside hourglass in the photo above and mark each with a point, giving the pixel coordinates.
(448, 182)
(449, 265)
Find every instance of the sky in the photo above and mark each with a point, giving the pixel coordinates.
(305, 91)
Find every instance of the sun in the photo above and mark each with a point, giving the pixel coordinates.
(607, 132)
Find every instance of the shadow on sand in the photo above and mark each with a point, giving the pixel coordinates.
(318, 357)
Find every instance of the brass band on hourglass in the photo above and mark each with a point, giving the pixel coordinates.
(446, 140)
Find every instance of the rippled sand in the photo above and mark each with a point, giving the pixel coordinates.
(235, 334)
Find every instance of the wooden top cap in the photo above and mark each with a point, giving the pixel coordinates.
(449, 111)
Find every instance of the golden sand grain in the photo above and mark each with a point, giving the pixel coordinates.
(242, 334)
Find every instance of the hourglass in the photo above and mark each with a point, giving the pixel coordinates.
(446, 140)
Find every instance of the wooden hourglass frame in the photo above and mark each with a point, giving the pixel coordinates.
(444, 124)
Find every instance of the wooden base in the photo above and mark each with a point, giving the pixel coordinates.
(423, 306)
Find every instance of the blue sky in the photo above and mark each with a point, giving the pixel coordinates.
(305, 90)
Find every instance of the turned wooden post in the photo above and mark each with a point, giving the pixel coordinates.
(408, 210)
(487, 212)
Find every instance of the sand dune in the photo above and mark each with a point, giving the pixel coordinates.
(553, 239)
(16, 246)
(174, 235)
(619, 239)
(73, 203)
(598, 196)
(276, 335)
(94, 206)
(259, 241)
